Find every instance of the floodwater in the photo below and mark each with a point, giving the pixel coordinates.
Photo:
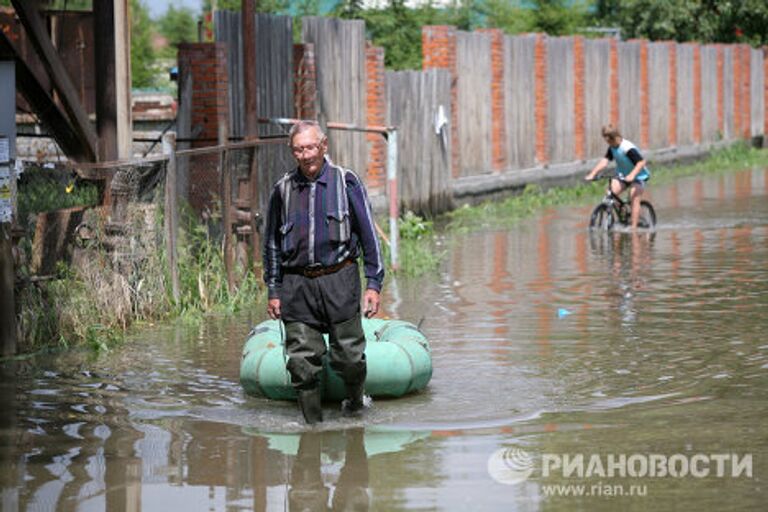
(571, 372)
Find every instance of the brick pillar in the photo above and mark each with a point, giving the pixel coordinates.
(304, 81)
(438, 46)
(697, 94)
(615, 98)
(206, 66)
(579, 115)
(765, 95)
(720, 91)
(540, 109)
(645, 103)
(746, 61)
(498, 111)
(376, 115)
(672, 135)
(738, 91)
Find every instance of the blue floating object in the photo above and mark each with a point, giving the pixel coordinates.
(562, 312)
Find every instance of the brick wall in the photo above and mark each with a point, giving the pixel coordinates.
(615, 98)
(672, 133)
(746, 91)
(579, 118)
(376, 115)
(304, 81)
(207, 66)
(540, 72)
(498, 111)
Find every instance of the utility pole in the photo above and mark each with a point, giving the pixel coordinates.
(8, 340)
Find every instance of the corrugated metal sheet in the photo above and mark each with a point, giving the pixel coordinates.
(710, 130)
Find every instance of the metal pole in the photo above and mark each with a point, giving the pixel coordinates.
(171, 212)
(394, 210)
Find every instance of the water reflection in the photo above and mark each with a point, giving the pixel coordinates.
(309, 492)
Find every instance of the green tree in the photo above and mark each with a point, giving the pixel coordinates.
(269, 6)
(178, 25)
(397, 29)
(709, 21)
(142, 54)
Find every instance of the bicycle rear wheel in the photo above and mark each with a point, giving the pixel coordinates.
(647, 219)
(602, 217)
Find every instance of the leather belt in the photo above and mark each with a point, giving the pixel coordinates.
(318, 271)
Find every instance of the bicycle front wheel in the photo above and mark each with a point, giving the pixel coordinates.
(602, 217)
(647, 219)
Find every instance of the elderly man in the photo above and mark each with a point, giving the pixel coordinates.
(318, 220)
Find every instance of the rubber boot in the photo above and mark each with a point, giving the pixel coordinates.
(355, 401)
(310, 405)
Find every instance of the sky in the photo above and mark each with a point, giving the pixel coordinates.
(158, 7)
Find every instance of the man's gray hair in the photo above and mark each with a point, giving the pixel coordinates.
(303, 126)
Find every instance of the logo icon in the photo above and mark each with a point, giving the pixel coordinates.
(510, 465)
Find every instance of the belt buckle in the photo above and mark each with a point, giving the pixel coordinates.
(313, 270)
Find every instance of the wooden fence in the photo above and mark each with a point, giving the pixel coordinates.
(513, 104)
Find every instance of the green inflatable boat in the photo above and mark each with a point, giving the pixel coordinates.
(398, 355)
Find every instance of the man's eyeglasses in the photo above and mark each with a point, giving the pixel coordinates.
(310, 148)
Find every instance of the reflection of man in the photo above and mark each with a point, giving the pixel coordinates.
(318, 220)
(308, 492)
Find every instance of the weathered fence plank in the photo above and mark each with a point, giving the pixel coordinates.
(597, 89)
(520, 104)
(684, 92)
(630, 106)
(658, 97)
(560, 101)
(710, 129)
(416, 104)
(473, 61)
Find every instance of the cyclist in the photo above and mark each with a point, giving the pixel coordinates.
(630, 169)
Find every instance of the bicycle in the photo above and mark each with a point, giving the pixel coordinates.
(613, 209)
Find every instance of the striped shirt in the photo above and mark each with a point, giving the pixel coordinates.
(320, 222)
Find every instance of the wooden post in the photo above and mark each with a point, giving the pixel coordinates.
(253, 181)
(8, 340)
(251, 119)
(226, 205)
(249, 67)
(7, 295)
(171, 217)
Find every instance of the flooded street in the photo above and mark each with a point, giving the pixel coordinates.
(645, 354)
